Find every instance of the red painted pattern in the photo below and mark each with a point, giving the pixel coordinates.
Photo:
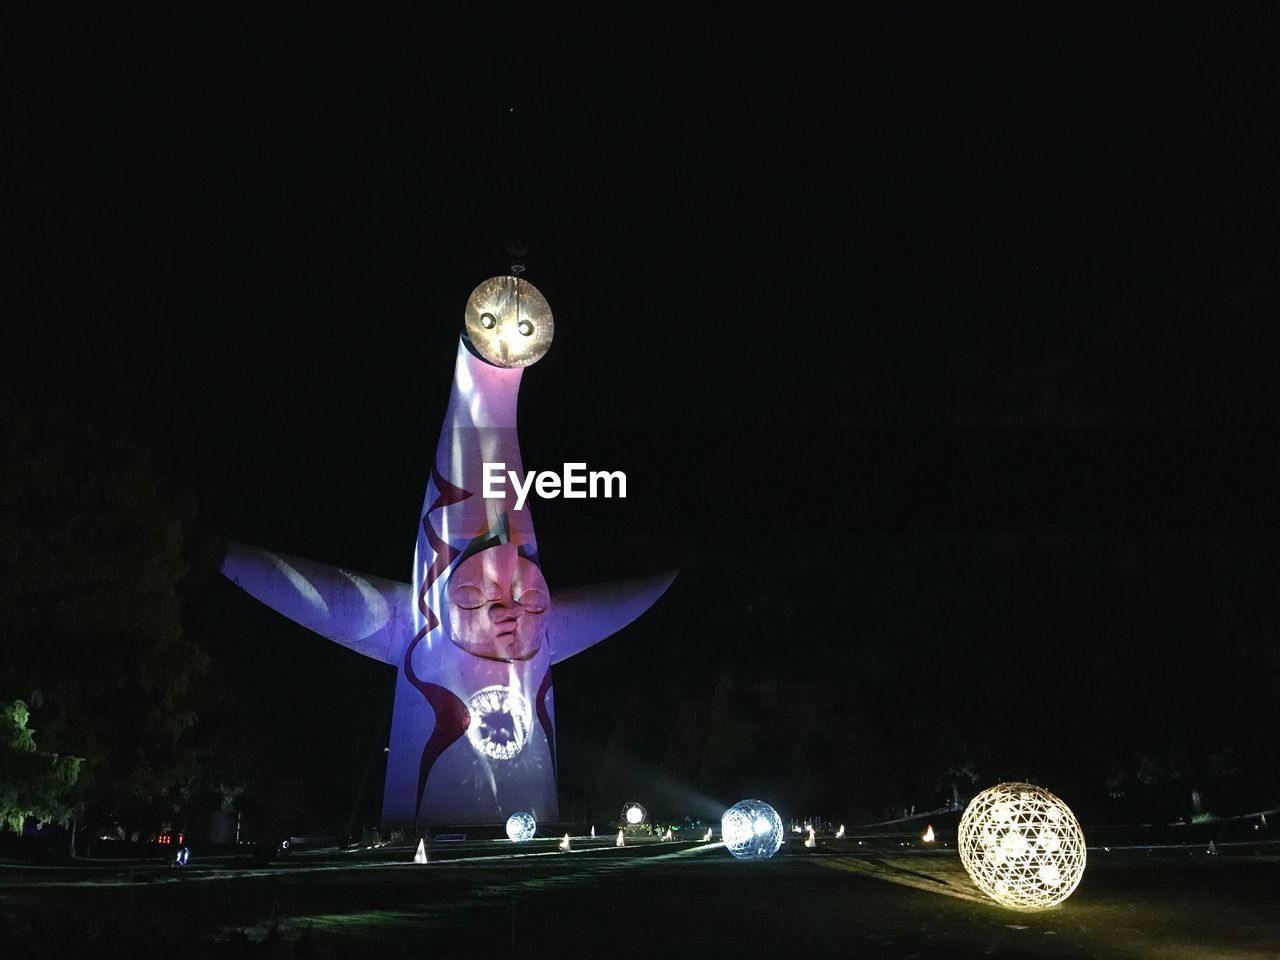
(544, 716)
(451, 715)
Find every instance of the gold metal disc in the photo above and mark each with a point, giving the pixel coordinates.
(509, 322)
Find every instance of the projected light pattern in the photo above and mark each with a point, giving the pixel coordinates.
(751, 830)
(500, 721)
(521, 827)
(1022, 846)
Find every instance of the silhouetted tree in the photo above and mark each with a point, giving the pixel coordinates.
(92, 558)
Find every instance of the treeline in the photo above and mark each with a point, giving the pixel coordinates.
(890, 672)
(97, 561)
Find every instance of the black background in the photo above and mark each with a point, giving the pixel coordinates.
(896, 321)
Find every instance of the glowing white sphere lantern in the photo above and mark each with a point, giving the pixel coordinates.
(751, 830)
(508, 322)
(634, 814)
(1022, 846)
(521, 827)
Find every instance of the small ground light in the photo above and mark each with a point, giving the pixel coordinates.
(929, 836)
(840, 832)
(620, 841)
(564, 844)
(182, 857)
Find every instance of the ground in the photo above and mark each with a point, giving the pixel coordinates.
(493, 899)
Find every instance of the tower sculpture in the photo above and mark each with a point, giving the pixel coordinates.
(476, 631)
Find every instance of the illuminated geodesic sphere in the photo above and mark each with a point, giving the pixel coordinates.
(1022, 846)
(509, 322)
(751, 830)
(634, 814)
(521, 826)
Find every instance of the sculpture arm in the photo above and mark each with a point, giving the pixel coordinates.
(583, 616)
(369, 615)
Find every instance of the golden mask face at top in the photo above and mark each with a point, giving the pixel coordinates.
(509, 322)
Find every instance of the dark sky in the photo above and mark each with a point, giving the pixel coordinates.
(937, 271)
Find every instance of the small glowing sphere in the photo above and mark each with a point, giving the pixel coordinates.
(634, 814)
(751, 830)
(1022, 846)
(509, 322)
(521, 826)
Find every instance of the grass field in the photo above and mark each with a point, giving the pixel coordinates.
(492, 899)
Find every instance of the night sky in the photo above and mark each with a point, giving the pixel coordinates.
(858, 302)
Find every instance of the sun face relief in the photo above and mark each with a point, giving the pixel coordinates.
(509, 322)
(498, 604)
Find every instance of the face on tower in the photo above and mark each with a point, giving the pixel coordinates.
(498, 603)
(509, 322)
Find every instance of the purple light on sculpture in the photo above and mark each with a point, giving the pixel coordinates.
(475, 633)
